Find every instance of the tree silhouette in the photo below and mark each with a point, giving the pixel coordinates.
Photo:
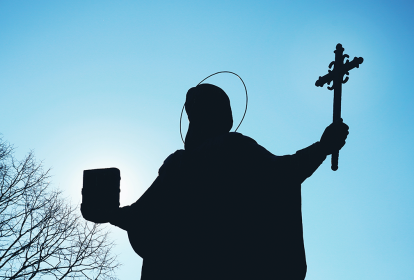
(41, 235)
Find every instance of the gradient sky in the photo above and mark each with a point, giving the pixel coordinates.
(94, 84)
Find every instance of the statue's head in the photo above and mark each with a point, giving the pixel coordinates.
(208, 108)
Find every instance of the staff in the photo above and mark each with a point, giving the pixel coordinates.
(336, 75)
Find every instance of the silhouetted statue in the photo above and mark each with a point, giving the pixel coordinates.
(225, 207)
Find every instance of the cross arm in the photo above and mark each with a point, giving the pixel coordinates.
(325, 79)
(353, 64)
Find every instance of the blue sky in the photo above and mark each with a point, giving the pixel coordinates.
(91, 84)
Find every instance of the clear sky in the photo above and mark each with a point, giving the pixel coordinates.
(93, 84)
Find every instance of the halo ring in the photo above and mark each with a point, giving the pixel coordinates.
(245, 109)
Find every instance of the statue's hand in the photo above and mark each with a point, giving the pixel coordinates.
(334, 136)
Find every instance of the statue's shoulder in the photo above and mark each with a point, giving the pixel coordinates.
(172, 162)
(248, 146)
(241, 141)
(240, 138)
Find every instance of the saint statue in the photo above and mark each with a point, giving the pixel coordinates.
(224, 207)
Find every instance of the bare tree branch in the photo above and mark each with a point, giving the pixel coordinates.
(40, 233)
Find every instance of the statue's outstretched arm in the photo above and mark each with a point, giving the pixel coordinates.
(122, 217)
(306, 161)
(136, 214)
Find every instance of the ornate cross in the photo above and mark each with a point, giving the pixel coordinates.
(337, 76)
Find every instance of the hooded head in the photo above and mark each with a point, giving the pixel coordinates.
(209, 112)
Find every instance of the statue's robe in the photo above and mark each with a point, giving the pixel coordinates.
(227, 209)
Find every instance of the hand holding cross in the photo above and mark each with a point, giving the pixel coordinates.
(336, 75)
